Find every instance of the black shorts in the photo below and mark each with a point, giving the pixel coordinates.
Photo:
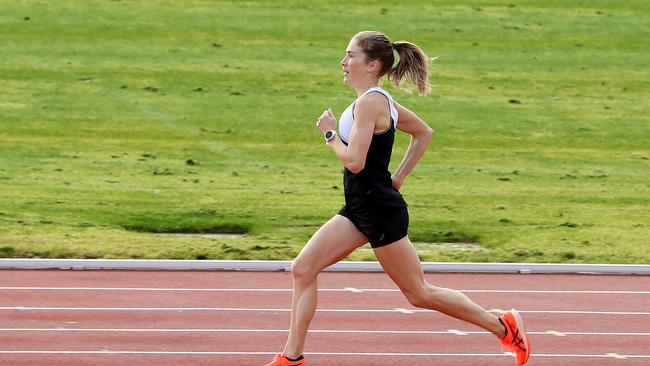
(382, 224)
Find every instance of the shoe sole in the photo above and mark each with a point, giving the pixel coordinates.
(522, 328)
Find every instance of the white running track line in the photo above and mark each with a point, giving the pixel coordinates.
(335, 331)
(383, 354)
(394, 310)
(347, 289)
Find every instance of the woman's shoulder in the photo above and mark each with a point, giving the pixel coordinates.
(371, 100)
(377, 90)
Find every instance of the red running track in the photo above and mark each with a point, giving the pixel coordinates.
(172, 318)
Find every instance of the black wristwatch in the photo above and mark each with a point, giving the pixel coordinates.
(329, 136)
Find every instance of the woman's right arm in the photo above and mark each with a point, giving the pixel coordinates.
(420, 133)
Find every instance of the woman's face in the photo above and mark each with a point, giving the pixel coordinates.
(354, 64)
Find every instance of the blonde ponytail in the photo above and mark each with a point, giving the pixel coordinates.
(413, 65)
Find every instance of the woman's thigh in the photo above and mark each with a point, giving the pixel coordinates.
(402, 264)
(332, 242)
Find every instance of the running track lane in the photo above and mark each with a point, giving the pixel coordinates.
(50, 317)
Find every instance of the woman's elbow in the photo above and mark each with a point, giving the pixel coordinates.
(425, 134)
(356, 167)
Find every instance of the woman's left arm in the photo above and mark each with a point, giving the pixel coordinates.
(420, 133)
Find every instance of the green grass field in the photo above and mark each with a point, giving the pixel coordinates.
(119, 119)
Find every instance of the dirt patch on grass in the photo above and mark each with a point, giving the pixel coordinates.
(221, 231)
(209, 236)
(423, 248)
(449, 247)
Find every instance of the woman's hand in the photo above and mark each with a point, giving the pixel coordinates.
(397, 181)
(326, 121)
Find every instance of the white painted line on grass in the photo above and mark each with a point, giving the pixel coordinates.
(394, 310)
(368, 354)
(345, 289)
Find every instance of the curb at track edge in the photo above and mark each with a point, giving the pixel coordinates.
(344, 266)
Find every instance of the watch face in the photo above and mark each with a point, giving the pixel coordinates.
(328, 134)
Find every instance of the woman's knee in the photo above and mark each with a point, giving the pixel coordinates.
(418, 297)
(421, 296)
(302, 271)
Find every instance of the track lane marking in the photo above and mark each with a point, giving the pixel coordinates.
(460, 333)
(370, 354)
(341, 331)
(404, 310)
(556, 333)
(353, 289)
(394, 310)
(345, 289)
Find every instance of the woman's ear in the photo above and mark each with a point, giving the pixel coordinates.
(372, 66)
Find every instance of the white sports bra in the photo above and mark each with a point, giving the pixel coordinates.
(347, 117)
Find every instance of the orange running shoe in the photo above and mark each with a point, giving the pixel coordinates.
(516, 339)
(281, 360)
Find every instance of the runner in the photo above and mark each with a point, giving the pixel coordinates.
(374, 209)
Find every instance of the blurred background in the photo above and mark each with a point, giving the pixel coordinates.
(185, 129)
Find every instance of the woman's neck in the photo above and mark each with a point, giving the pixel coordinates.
(363, 87)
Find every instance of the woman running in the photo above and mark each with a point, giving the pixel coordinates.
(374, 209)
